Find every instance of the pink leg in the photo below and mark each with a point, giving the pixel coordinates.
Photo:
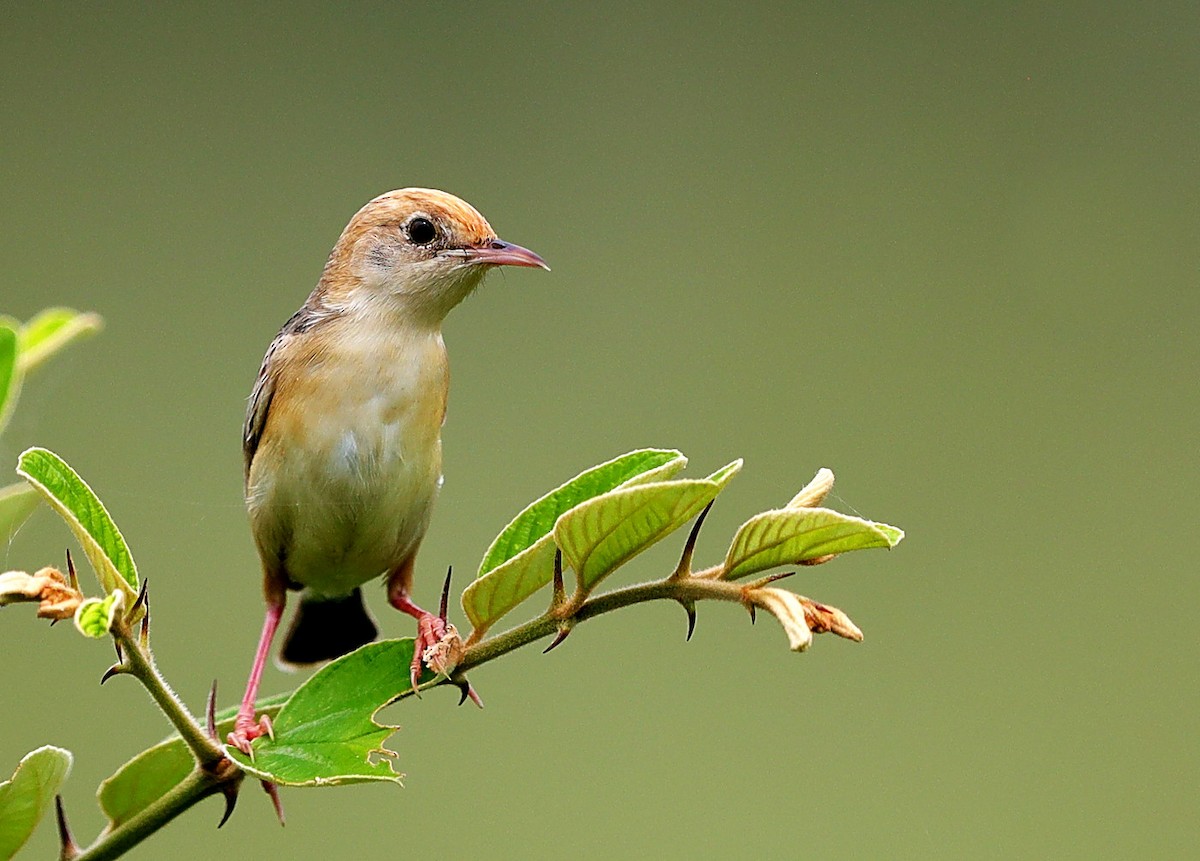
(245, 728)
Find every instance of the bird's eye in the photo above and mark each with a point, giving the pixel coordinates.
(421, 231)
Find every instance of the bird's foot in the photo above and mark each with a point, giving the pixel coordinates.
(246, 729)
(431, 631)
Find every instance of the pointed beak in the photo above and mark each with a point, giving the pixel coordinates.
(497, 252)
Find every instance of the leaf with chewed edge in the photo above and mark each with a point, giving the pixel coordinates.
(521, 559)
(25, 798)
(85, 514)
(326, 734)
(606, 532)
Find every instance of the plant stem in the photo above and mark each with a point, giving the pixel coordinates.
(214, 771)
(140, 664)
(112, 844)
(683, 590)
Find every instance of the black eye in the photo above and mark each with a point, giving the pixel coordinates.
(421, 231)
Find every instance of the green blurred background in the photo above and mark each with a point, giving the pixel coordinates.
(948, 250)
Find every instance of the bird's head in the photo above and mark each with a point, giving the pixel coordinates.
(416, 250)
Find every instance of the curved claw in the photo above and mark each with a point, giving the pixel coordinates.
(467, 692)
(114, 670)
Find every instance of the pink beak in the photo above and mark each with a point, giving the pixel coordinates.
(497, 252)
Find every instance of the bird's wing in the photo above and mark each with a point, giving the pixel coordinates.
(311, 315)
(260, 401)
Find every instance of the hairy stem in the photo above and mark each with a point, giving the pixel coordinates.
(139, 663)
(682, 590)
(214, 770)
(112, 844)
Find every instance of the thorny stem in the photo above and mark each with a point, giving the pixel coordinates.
(139, 663)
(196, 786)
(688, 589)
(215, 771)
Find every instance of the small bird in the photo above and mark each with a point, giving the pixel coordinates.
(342, 441)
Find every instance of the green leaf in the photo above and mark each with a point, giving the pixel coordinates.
(789, 536)
(51, 331)
(10, 372)
(27, 797)
(537, 520)
(17, 502)
(94, 616)
(326, 733)
(69, 495)
(156, 771)
(606, 532)
(521, 559)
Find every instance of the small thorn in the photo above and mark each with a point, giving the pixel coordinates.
(230, 791)
(467, 692)
(560, 591)
(114, 670)
(684, 569)
(210, 712)
(141, 598)
(144, 633)
(753, 617)
(273, 792)
(71, 571)
(120, 652)
(446, 594)
(690, 608)
(562, 635)
(770, 578)
(69, 847)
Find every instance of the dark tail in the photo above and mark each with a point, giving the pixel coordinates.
(324, 629)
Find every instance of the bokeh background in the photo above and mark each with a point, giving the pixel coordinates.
(948, 250)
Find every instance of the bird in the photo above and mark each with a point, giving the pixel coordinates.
(342, 439)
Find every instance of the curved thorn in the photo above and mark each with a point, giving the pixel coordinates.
(71, 571)
(69, 847)
(114, 670)
(690, 608)
(230, 791)
(273, 791)
(466, 692)
(446, 593)
(120, 653)
(210, 712)
(562, 635)
(684, 569)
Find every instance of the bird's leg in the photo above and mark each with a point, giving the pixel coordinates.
(245, 727)
(430, 628)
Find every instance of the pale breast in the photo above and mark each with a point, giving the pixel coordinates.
(344, 483)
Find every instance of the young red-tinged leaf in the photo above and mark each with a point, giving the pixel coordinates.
(789, 536)
(326, 733)
(606, 532)
(29, 794)
(88, 519)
